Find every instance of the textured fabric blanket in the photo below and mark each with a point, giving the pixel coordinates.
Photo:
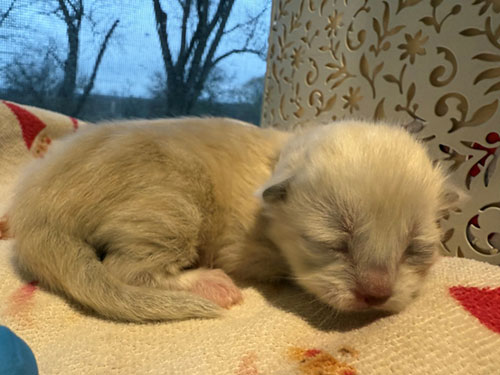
(453, 328)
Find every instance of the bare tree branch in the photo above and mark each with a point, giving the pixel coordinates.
(53, 54)
(186, 11)
(89, 16)
(222, 8)
(6, 14)
(201, 32)
(252, 20)
(161, 29)
(74, 13)
(220, 17)
(81, 11)
(40, 78)
(67, 17)
(236, 51)
(27, 78)
(90, 83)
(208, 64)
(73, 27)
(72, 6)
(182, 60)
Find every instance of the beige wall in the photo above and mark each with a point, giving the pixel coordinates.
(434, 64)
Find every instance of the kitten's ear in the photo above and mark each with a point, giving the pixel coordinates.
(451, 199)
(276, 191)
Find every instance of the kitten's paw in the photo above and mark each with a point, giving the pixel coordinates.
(216, 286)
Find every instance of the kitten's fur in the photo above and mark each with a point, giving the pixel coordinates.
(129, 218)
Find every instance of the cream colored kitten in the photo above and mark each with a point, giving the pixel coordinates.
(142, 220)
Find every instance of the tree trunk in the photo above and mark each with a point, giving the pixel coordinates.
(178, 103)
(187, 72)
(67, 90)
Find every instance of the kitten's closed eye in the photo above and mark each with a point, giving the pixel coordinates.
(419, 252)
(410, 250)
(338, 247)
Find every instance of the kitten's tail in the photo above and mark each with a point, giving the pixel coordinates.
(72, 268)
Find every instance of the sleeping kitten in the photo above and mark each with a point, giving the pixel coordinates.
(144, 220)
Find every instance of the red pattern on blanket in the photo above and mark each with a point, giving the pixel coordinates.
(483, 303)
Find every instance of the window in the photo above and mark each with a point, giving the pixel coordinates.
(99, 60)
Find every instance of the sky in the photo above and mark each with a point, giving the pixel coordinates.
(133, 55)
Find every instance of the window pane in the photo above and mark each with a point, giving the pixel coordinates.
(97, 59)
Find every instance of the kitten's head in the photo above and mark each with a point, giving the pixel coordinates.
(354, 208)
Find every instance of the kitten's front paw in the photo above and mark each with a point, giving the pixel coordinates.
(215, 285)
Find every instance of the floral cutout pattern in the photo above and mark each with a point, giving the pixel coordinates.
(431, 62)
(414, 46)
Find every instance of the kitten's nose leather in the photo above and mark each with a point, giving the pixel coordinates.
(372, 300)
(374, 287)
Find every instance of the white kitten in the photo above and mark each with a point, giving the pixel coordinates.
(129, 219)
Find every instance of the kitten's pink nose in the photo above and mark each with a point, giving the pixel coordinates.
(374, 287)
(371, 300)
